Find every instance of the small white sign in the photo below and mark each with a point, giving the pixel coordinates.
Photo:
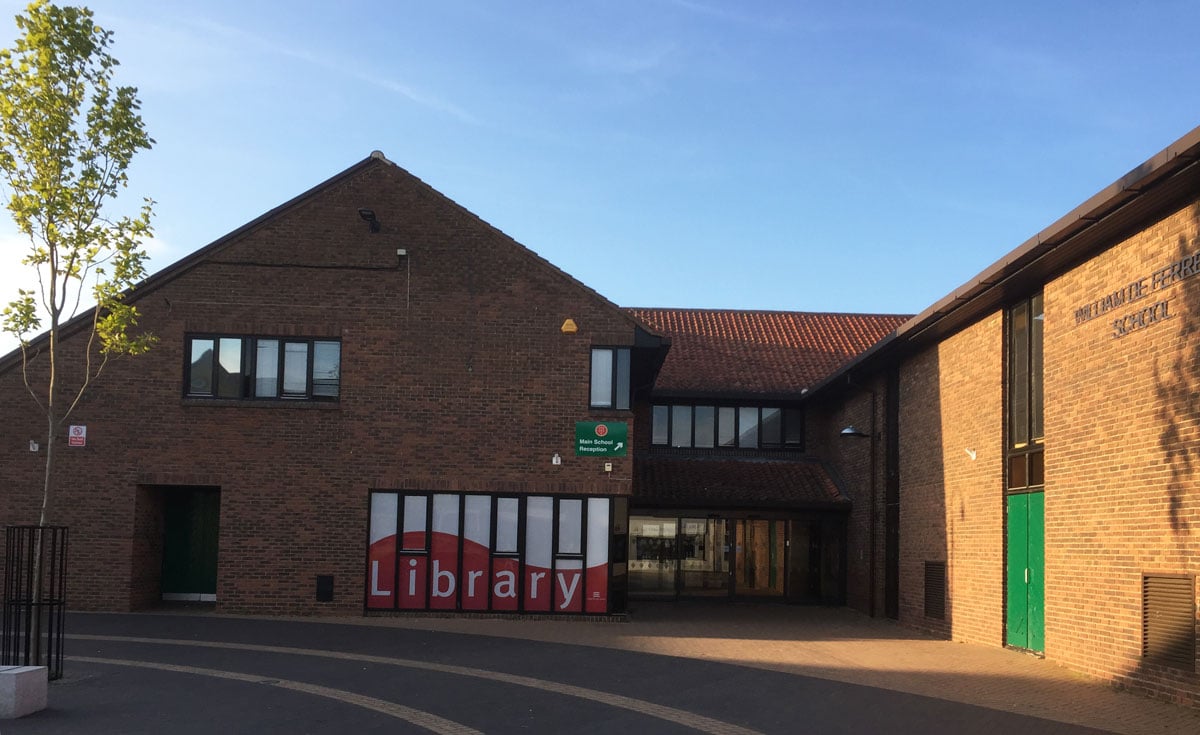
(77, 437)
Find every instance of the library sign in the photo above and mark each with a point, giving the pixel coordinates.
(1137, 291)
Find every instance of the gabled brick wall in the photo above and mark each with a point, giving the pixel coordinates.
(455, 376)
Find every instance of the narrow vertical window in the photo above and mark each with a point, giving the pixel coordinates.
(621, 390)
(266, 369)
(507, 522)
(772, 427)
(610, 378)
(200, 372)
(326, 376)
(416, 515)
(295, 369)
(681, 426)
(1026, 460)
(602, 378)
(727, 426)
(1036, 321)
(748, 427)
(229, 368)
(570, 526)
(793, 427)
(706, 420)
(1018, 383)
(660, 431)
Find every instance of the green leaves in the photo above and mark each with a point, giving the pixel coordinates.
(67, 137)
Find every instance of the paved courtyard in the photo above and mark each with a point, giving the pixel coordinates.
(672, 668)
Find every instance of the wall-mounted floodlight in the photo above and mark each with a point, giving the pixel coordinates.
(368, 216)
(851, 431)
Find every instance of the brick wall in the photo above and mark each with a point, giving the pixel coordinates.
(455, 376)
(952, 505)
(849, 462)
(1122, 455)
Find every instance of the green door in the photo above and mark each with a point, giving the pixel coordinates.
(1025, 623)
(190, 524)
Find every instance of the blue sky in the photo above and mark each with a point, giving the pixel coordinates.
(680, 153)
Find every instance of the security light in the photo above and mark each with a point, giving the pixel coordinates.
(368, 216)
(851, 431)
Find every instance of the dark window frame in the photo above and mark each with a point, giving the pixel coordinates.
(249, 359)
(1024, 400)
(619, 367)
(791, 424)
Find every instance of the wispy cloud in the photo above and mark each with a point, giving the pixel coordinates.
(626, 61)
(328, 63)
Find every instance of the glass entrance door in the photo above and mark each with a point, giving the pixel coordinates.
(759, 558)
(703, 557)
(653, 560)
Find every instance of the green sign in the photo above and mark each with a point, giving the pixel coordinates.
(601, 439)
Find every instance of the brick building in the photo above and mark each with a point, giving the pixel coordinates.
(370, 400)
(1032, 442)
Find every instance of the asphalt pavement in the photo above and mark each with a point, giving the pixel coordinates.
(674, 668)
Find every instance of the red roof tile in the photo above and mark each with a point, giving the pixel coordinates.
(750, 353)
(719, 482)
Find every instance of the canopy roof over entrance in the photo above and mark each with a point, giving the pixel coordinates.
(795, 483)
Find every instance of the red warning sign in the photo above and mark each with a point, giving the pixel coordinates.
(77, 436)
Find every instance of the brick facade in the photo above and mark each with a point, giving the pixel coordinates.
(1123, 454)
(455, 377)
(952, 504)
(1122, 438)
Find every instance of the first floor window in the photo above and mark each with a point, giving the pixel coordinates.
(610, 378)
(683, 425)
(260, 367)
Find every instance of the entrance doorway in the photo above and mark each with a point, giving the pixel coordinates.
(191, 520)
(759, 558)
(703, 557)
(1025, 619)
(799, 559)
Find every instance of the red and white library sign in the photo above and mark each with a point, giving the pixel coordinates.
(513, 554)
(77, 436)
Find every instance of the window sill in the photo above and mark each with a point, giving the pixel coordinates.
(277, 403)
(621, 412)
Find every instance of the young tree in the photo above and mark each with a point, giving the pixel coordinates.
(67, 136)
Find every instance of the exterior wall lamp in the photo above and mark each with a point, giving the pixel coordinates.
(368, 216)
(856, 433)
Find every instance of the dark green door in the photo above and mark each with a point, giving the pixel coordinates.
(190, 524)
(1025, 623)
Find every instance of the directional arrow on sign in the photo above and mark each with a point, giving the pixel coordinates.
(619, 446)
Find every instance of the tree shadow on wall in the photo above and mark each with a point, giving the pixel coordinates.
(1177, 388)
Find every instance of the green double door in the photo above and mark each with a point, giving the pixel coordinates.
(1025, 624)
(191, 520)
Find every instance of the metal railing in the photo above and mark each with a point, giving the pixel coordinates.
(35, 586)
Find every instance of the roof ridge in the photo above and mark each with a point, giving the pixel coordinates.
(706, 310)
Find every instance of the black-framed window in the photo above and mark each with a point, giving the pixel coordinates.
(708, 426)
(610, 378)
(1025, 397)
(240, 367)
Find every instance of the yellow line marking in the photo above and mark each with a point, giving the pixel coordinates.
(641, 706)
(417, 717)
